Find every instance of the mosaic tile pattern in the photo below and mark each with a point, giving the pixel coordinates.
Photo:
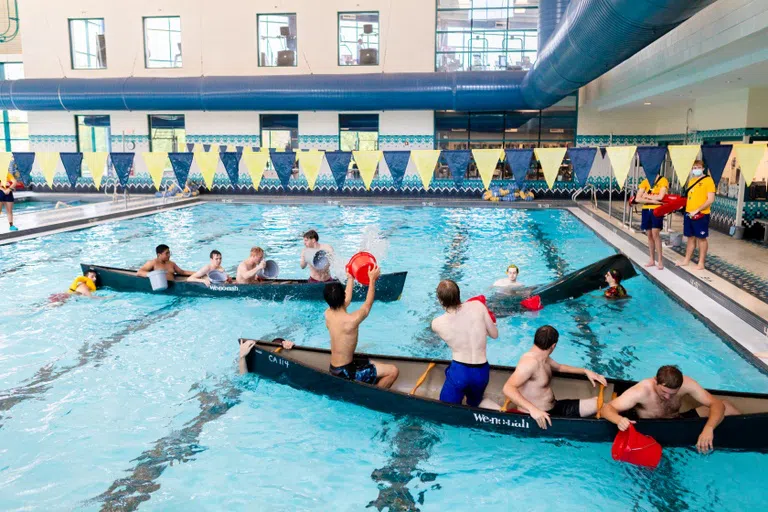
(242, 140)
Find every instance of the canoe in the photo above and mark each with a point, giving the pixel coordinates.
(388, 288)
(306, 368)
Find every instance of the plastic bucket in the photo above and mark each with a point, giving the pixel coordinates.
(158, 279)
(359, 265)
(320, 260)
(271, 269)
(217, 276)
(633, 447)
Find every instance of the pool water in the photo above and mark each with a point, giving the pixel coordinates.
(133, 401)
(28, 206)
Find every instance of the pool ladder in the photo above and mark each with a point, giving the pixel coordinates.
(115, 195)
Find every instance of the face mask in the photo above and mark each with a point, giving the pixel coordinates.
(697, 172)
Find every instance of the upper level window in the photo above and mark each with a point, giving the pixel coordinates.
(277, 39)
(358, 132)
(486, 35)
(280, 131)
(358, 38)
(14, 131)
(162, 42)
(87, 45)
(167, 133)
(93, 133)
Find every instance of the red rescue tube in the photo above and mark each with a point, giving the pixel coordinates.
(671, 203)
(481, 298)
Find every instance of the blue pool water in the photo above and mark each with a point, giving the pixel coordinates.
(134, 402)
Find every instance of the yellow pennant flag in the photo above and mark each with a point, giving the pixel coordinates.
(247, 149)
(749, 157)
(425, 161)
(5, 163)
(255, 162)
(231, 148)
(550, 159)
(96, 163)
(156, 162)
(310, 162)
(621, 160)
(48, 161)
(207, 163)
(197, 147)
(682, 160)
(486, 160)
(367, 161)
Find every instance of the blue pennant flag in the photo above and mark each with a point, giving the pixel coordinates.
(397, 161)
(239, 149)
(72, 165)
(181, 162)
(122, 162)
(715, 158)
(222, 148)
(582, 160)
(457, 161)
(519, 161)
(231, 161)
(338, 161)
(190, 146)
(23, 162)
(651, 158)
(602, 151)
(206, 147)
(283, 162)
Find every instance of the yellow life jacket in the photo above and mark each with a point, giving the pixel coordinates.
(82, 279)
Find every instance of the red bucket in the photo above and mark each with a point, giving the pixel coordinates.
(633, 447)
(359, 265)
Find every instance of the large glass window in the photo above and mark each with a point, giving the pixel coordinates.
(486, 34)
(277, 39)
(280, 131)
(167, 133)
(87, 45)
(93, 133)
(15, 129)
(358, 38)
(162, 42)
(358, 132)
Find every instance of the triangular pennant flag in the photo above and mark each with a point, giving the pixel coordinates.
(602, 151)
(122, 162)
(310, 162)
(749, 157)
(651, 158)
(397, 161)
(222, 148)
(425, 161)
(682, 160)
(582, 160)
(255, 163)
(48, 161)
(716, 157)
(5, 163)
(519, 161)
(231, 148)
(96, 163)
(621, 159)
(457, 161)
(338, 161)
(231, 161)
(206, 147)
(367, 161)
(239, 149)
(181, 163)
(72, 166)
(283, 162)
(23, 162)
(156, 162)
(190, 146)
(550, 159)
(207, 163)
(486, 161)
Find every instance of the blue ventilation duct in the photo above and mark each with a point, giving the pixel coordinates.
(550, 14)
(592, 37)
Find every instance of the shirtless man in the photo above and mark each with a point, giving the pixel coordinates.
(248, 270)
(465, 328)
(529, 386)
(311, 246)
(202, 275)
(344, 327)
(510, 282)
(662, 396)
(163, 262)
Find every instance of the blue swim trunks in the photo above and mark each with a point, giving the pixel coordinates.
(696, 228)
(462, 379)
(360, 369)
(650, 221)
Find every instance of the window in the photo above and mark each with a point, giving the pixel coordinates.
(15, 130)
(87, 45)
(93, 133)
(358, 38)
(166, 133)
(486, 35)
(358, 132)
(277, 39)
(162, 42)
(280, 131)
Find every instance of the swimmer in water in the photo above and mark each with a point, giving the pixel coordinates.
(83, 285)
(615, 290)
(510, 281)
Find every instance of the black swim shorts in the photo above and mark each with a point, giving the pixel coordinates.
(566, 408)
(360, 369)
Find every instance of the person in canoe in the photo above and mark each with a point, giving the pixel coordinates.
(529, 385)
(213, 271)
(662, 397)
(247, 346)
(509, 282)
(344, 327)
(615, 289)
(163, 262)
(312, 246)
(248, 270)
(465, 328)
